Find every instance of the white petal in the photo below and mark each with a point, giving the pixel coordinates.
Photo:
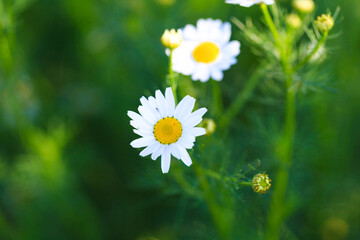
(195, 118)
(165, 160)
(141, 125)
(225, 33)
(217, 74)
(138, 121)
(201, 73)
(244, 3)
(182, 59)
(157, 152)
(175, 151)
(143, 132)
(231, 49)
(150, 107)
(149, 149)
(161, 103)
(184, 108)
(197, 131)
(152, 102)
(169, 96)
(142, 142)
(192, 122)
(189, 33)
(134, 116)
(199, 113)
(185, 157)
(147, 115)
(269, 2)
(187, 141)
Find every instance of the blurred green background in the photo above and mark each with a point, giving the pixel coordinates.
(67, 171)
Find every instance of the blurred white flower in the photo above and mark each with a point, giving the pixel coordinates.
(205, 51)
(166, 129)
(249, 3)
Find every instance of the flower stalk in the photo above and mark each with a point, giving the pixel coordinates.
(242, 97)
(172, 77)
(222, 218)
(217, 98)
(313, 52)
(285, 147)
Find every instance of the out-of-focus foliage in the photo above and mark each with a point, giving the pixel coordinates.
(69, 71)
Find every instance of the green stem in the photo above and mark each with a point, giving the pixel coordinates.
(242, 97)
(271, 25)
(218, 213)
(217, 98)
(276, 213)
(6, 53)
(172, 78)
(246, 183)
(279, 43)
(313, 52)
(285, 152)
(183, 183)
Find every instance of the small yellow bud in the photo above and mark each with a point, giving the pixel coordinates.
(166, 2)
(324, 23)
(209, 125)
(261, 183)
(304, 6)
(335, 228)
(171, 39)
(293, 21)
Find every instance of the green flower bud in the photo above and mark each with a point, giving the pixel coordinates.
(293, 21)
(324, 23)
(304, 6)
(261, 183)
(209, 125)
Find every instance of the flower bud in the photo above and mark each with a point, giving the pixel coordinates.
(209, 125)
(304, 6)
(261, 183)
(166, 2)
(335, 228)
(293, 21)
(324, 23)
(171, 39)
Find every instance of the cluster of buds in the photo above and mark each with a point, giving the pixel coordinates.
(261, 183)
(304, 6)
(324, 23)
(171, 39)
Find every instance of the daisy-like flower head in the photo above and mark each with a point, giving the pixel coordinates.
(166, 129)
(205, 51)
(249, 3)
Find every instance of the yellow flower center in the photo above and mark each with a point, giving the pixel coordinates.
(167, 130)
(206, 52)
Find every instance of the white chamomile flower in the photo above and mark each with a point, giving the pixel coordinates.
(249, 3)
(205, 51)
(166, 129)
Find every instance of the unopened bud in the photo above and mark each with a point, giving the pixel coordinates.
(304, 6)
(209, 125)
(171, 39)
(293, 21)
(324, 23)
(261, 183)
